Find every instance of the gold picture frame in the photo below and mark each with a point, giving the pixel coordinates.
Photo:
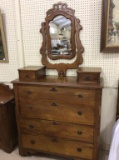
(3, 47)
(110, 26)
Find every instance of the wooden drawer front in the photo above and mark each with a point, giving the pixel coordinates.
(57, 129)
(88, 78)
(62, 147)
(27, 75)
(57, 110)
(75, 95)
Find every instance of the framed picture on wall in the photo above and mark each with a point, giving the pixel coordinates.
(3, 48)
(110, 26)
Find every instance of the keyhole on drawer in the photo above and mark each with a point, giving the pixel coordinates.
(54, 104)
(32, 142)
(80, 113)
(79, 149)
(53, 89)
(79, 132)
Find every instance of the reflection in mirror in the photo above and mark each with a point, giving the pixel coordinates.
(60, 33)
(3, 49)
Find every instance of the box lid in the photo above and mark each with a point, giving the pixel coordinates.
(32, 68)
(94, 70)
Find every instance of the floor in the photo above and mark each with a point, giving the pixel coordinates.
(15, 156)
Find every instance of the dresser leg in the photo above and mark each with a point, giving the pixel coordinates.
(23, 152)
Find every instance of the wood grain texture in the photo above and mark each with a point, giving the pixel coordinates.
(8, 131)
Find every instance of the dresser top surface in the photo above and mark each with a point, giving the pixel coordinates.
(68, 81)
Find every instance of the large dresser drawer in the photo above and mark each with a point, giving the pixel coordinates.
(57, 129)
(57, 110)
(80, 96)
(57, 146)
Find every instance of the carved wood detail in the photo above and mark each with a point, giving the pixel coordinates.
(77, 48)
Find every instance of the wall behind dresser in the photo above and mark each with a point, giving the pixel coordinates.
(22, 20)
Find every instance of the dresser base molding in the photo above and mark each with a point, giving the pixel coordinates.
(30, 152)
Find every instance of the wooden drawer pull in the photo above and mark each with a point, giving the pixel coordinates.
(54, 140)
(79, 132)
(30, 107)
(27, 76)
(79, 149)
(80, 113)
(29, 92)
(55, 123)
(53, 104)
(32, 142)
(53, 89)
(31, 126)
(80, 96)
(87, 78)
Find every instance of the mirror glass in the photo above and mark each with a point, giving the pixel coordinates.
(60, 34)
(3, 48)
(2, 54)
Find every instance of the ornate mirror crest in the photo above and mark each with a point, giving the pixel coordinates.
(61, 39)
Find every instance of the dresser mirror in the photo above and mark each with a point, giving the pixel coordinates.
(60, 35)
(61, 40)
(3, 49)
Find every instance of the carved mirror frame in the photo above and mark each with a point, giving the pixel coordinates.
(77, 48)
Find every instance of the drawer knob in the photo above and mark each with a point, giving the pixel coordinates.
(27, 76)
(29, 92)
(79, 132)
(31, 126)
(80, 113)
(53, 89)
(55, 123)
(79, 149)
(54, 140)
(30, 107)
(80, 96)
(54, 104)
(87, 78)
(32, 142)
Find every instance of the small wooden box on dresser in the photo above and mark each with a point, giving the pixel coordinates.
(59, 115)
(8, 128)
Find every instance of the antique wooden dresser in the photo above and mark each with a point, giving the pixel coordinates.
(8, 129)
(59, 114)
